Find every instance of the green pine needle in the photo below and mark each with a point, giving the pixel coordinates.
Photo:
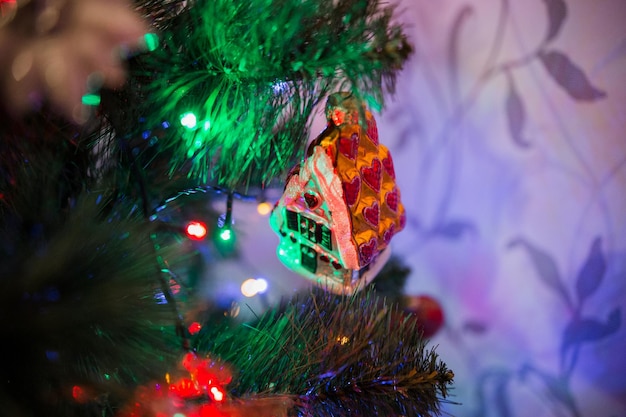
(339, 356)
(252, 73)
(79, 289)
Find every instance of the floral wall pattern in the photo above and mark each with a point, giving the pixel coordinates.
(508, 134)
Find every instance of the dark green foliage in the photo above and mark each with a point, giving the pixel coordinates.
(391, 280)
(79, 290)
(84, 273)
(337, 355)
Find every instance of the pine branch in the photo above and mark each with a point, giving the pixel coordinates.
(337, 356)
(79, 298)
(252, 73)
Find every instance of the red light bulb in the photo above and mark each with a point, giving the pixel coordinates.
(196, 230)
(194, 327)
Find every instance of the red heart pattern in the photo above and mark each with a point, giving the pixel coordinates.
(371, 175)
(388, 165)
(389, 234)
(372, 130)
(349, 147)
(367, 250)
(391, 198)
(372, 214)
(351, 190)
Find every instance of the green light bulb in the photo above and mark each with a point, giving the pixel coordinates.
(188, 120)
(91, 99)
(225, 234)
(152, 41)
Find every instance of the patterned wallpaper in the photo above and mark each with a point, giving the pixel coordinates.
(508, 132)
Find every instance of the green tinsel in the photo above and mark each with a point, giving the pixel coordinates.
(252, 72)
(334, 356)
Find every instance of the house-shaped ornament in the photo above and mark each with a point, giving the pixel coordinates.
(340, 207)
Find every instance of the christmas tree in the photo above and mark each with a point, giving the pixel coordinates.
(98, 270)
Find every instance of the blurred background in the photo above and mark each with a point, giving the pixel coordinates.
(508, 136)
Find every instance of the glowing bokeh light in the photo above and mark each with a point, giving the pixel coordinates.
(261, 285)
(152, 41)
(233, 311)
(218, 395)
(78, 394)
(91, 99)
(196, 230)
(226, 234)
(252, 287)
(264, 208)
(194, 327)
(343, 339)
(248, 288)
(188, 120)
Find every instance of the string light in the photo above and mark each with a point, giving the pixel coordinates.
(152, 41)
(217, 394)
(91, 99)
(196, 230)
(264, 208)
(189, 120)
(194, 327)
(252, 287)
(224, 235)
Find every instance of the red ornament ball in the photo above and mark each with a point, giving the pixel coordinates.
(427, 312)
